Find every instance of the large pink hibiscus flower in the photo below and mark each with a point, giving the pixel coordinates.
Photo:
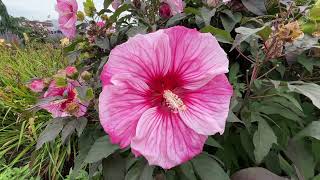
(63, 101)
(67, 10)
(164, 93)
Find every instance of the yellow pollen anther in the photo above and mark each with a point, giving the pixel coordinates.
(173, 101)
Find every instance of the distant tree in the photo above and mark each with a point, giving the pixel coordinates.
(7, 22)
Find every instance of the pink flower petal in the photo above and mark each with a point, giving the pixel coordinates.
(164, 140)
(208, 107)
(55, 108)
(36, 85)
(176, 6)
(143, 56)
(120, 108)
(115, 4)
(67, 10)
(197, 56)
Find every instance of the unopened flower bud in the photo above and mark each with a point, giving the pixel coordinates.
(164, 10)
(137, 4)
(72, 72)
(85, 75)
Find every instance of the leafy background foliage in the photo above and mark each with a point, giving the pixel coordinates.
(273, 129)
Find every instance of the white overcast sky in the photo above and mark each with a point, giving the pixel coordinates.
(39, 9)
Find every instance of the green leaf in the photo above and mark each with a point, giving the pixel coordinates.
(306, 62)
(314, 13)
(187, 171)
(103, 43)
(292, 100)
(316, 177)
(147, 172)
(102, 148)
(114, 167)
(68, 129)
(311, 90)
(170, 175)
(246, 142)
(221, 35)
(140, 29)
(85, 93)
(107, 3)
(286, 104)
(117, 13)
(140, 171)
(174, 20)
(86, 140)
(275, 108)
(286, 167)
(191, 10)
(244, 33)
(212, 142)
(89, 8)
(312, 130)
(207, 168)
(207, 14)
(230, 19)
(301, 157)
(81, 124)
(232, 118)
(51, 131)
(257, 7)
(263, 139)
(272, 162)
(255, 173)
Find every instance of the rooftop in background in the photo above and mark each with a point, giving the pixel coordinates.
(38, 9)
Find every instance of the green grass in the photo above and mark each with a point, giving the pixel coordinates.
(19, 129)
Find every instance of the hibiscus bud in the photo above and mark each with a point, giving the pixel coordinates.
(137, 4)
(72, 72)
(85, 75)
(164, 10)
(36, 85)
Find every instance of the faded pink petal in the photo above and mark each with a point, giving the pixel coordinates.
(164, 140)
(164, 92)
(207, 115)
(67, 10)
(36, 85)
(115, 4)
(61, 99)
(121, 106)
(176, 6)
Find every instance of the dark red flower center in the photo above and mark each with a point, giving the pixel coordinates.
(166, 91)
(70, 96)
